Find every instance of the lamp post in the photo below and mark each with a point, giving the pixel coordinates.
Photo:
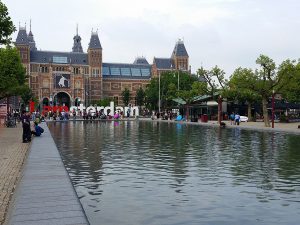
(159, 92)
(220, 110)
(273, 107)
(178, 80)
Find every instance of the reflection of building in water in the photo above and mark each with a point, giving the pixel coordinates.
(84, 77)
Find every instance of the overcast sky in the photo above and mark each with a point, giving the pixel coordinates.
(227, 33)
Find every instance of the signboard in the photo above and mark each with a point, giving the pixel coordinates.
(62, 80)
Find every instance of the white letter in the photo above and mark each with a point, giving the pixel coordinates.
(91, 108)
(81, 107)
(136, 111)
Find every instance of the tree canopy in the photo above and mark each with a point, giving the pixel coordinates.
(6, 25)
(12, 73)
(140, 97)
(169, 84)
(126, 96)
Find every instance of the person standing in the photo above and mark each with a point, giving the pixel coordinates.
(237, 119)
(232, 118)
(26, 127)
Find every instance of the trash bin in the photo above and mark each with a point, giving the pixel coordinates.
(204, 118)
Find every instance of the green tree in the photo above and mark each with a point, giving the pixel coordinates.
(168, 88)
(140, 97)
(270, 79)
(241, 88)
(26, 96)
(126, 96)
(291, 91)
(12, 73)
(215, 78)
(6, 25)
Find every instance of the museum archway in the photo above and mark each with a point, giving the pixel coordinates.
(62, 99)
(77, 102)
(45, 102)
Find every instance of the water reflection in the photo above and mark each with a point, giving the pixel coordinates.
(165, 173)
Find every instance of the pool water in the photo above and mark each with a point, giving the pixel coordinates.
(142, 173)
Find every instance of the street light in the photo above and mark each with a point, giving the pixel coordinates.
(220, 110)
(178, 80)
(273, 107)
(177, 76)
(159, 92)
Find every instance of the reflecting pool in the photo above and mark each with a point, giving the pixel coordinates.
(140, 173)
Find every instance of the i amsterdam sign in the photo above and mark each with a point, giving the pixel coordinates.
(112, 109)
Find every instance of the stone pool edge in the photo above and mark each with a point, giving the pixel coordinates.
(45, 193)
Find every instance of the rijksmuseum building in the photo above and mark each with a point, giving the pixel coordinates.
(71, 78)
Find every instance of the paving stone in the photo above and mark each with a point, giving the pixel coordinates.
(12, 156)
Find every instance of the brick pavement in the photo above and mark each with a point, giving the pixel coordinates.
(12, 156)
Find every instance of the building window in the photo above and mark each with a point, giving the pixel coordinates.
(59, 68)
(44, 69)
(76, 70)
(24, 56)
(96, 72)
(115, 71)
(34, 68)
(86, 70)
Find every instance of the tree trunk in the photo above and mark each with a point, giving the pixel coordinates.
(265, 112)
(249, 112)
(187, 113)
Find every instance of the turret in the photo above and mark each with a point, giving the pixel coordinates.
(77, 43)
(23, 45)
(95, 65)
(180, 56)
(95, 51)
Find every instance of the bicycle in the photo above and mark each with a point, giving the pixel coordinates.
(10, 122)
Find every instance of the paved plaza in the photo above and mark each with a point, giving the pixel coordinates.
(12, 155)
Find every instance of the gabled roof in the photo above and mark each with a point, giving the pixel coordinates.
(59, 57)
(22, 37)
(163, 63)
(94, 41)
(179, 49)
(140, 60)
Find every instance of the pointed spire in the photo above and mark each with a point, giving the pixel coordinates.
(31, 39)
(77, 42)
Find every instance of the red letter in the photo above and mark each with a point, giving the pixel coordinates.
(31, 106)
